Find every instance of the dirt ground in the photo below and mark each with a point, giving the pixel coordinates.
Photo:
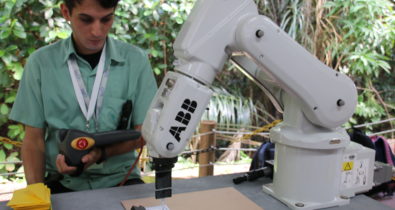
(6, 189)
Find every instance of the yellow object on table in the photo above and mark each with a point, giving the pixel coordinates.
(34, 196)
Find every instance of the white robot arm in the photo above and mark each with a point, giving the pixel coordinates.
(316, 99)
(212, 32)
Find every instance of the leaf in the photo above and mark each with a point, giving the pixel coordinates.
(154, 53)
(48, 13)
(11, 98)
(15, 155)
(179, 20)
(63, 34)
(19, 4)
(31, 50)
(5, 34)
(157, 71)
(15, 131)
(11, 167)
(21, 171)
(147, 13)
(11, 48)
(156, 15)
(13, 127)
(134, 10)
(8, 146)
(5, 79)
(4, 109)
(166, 7)
(18, 71)
(19, 34)
(2, 157)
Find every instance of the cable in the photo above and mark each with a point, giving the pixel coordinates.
(382, 132)
(238, 149)
(197, 166)
(238, 132)
(11, 173)
(131, 168)
(9, 141)
(11, 162)
(373, 123)
(262, 129)
(202, 134)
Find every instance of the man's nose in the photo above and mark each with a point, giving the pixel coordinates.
(97, 29)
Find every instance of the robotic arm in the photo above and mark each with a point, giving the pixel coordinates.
(310, 146)
(216, 29)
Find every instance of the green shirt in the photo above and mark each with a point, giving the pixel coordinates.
(46, 99)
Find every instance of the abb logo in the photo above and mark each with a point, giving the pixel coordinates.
(184, 116)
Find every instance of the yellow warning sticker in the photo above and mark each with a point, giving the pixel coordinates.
(347, 166)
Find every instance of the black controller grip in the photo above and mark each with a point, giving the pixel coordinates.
(73, 155)
(110, 137)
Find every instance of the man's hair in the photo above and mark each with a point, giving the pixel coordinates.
(104, 3)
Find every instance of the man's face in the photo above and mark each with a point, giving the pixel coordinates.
(90, 24)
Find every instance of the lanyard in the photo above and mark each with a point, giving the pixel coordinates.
(87, 103)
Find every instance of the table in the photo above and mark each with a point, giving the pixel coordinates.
(111, 198)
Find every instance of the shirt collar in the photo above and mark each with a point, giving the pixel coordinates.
(68, 48)
(111, 52)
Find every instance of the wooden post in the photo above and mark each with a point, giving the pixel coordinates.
(206, 141)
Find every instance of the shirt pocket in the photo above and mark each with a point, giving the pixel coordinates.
(110, 113)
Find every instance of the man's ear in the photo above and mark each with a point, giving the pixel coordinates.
(65, 11)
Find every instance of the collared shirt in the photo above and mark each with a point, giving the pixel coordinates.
(46, 99)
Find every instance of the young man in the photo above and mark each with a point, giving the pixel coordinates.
(82, 83)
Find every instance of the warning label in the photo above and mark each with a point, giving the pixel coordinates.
(354, 172)
(347, 166)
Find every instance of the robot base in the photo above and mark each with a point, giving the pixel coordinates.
(292, 204)
(307, 167)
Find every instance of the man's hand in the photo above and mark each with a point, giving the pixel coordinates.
(91, 158)
(88, 159)
(62, 166)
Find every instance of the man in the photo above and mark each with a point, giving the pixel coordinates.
(82, 83)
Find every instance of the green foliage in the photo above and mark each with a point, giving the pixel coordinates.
(18, 35)
(368, 29)
(244, 158)
(293, 19)
(184, 163)
(228, 109)
(2, 158)
(368, 108)
(152, 25)
(365, 51)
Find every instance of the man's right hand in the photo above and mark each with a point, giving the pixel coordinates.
(62, 166)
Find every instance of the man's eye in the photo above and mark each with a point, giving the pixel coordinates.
(86, 20)
(105, 20)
